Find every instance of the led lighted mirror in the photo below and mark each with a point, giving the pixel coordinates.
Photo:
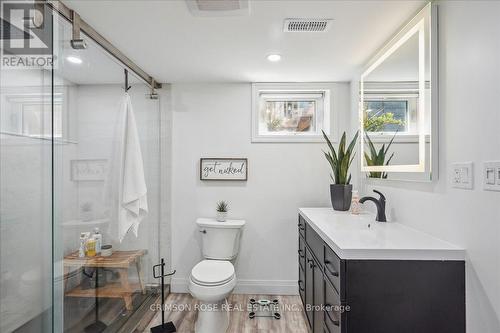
(397, 109)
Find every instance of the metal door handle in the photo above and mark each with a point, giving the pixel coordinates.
(334, 322)
(300, 286)
(327, 265)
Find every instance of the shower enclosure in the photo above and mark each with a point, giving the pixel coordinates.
(61, 134)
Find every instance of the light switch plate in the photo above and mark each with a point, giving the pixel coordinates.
(491, 175)
(462, 175)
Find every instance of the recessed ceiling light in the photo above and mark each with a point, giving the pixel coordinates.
(74, 60)
(274, 57)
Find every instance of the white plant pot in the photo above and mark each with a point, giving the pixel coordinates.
(221, 216)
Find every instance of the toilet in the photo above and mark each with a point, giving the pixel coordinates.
(213, 279)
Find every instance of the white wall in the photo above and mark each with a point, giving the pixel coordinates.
(214, 120)
(469, 117)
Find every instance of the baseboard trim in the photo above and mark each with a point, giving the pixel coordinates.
(266, 287)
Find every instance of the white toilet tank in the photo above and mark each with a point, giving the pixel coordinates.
(220, 240)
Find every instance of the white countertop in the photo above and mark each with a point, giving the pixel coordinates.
(351, 238)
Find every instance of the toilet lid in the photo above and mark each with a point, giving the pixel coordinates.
(212, 272)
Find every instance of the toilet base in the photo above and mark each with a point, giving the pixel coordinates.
(213, 317)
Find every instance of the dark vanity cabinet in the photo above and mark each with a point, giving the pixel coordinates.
(377, 296)
(319, 281)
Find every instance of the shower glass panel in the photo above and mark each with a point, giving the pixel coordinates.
(25, 174)
(94, 291)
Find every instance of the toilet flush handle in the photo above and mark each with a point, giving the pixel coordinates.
(203, 231)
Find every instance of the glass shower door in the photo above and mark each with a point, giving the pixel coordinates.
(26, 169)
(102, 275)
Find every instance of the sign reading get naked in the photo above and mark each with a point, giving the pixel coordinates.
(223, 169)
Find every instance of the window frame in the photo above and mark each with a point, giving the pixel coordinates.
(326, 121)
(28, 96)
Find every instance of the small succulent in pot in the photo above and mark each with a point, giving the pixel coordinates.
(86, 212)
(222, 208)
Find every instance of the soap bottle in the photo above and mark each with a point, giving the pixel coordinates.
(91, 247)
(83, 241)
(355, 205)
(98, 240)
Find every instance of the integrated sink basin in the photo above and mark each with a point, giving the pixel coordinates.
(361, 237)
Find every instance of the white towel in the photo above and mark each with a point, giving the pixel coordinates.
(133, 202)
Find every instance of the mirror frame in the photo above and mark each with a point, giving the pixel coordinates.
(417, 25)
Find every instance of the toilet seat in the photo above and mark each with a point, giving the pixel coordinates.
(212, 272)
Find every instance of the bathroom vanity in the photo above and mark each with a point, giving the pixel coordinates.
(357, 275)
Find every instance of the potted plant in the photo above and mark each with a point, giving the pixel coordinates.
(378, 158)
(222, 208)
(340, 160)
(86, 212)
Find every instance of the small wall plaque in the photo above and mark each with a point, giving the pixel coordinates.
(223, 169)
(88, 170)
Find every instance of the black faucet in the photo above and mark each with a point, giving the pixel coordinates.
(380, 203)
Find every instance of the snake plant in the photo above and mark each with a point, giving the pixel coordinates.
(222, 206)
(340, 160)
(378, 158)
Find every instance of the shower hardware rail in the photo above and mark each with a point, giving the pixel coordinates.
(69, 14)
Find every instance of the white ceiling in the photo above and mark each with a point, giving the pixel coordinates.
(171, 44)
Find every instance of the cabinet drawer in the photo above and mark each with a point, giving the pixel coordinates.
(315, 243)
(302, 285)
(302, 226)
(332, 309)
(332, 267)
(302, 253)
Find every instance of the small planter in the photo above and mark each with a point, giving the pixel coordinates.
(341, 196)
(221, 216)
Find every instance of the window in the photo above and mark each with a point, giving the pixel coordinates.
(389, 114)
(290, 112)
(30, 115)
(37, 120)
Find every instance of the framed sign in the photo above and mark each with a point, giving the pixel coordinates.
(223, 169)
(88, 170)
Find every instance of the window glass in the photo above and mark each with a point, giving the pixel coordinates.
(288, 116)
(386, 116)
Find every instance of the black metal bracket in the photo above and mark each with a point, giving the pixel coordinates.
(127, 87)
(162, 265)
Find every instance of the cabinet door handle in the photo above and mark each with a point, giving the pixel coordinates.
(300, 254)
(334, 322)
(333, 272)
(300, 286)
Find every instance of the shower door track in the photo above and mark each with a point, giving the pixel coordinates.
(67, 13)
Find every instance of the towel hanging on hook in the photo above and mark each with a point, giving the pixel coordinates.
(127, 87)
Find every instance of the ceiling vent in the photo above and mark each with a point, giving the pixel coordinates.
(218, 7)
(306, 25)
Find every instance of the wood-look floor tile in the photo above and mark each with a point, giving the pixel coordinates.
(292, 320)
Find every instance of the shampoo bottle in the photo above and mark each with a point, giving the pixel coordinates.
(98, 240)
